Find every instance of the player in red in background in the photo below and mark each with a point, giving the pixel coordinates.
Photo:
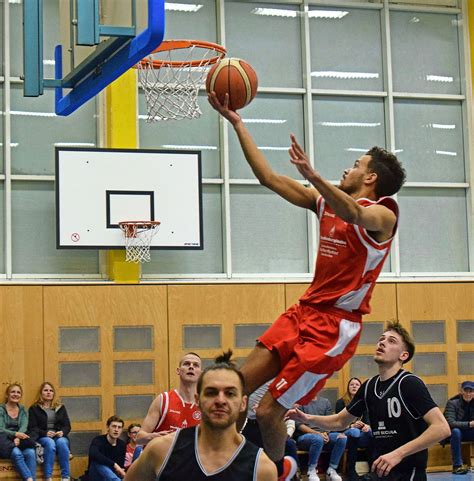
(318, 335)
(176, 409)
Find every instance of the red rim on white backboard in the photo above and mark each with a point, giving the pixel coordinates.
(138, 236)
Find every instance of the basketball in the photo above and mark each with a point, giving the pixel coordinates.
(235, 77)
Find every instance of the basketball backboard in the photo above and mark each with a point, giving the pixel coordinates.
(101, 40)
(98, 188)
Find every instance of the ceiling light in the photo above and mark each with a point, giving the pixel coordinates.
(190, 147)
(446, 152)
(354, 149)
(12, 144)
(275, 12)
(327, 14)
(32, 114)
(350, 124)
(442, 126)
(272, 148)
(182, 7)
(264, 121)
(414, 20)
(344, 75)
(74, 144)
(439, 78)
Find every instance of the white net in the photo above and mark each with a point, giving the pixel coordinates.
(138, 238)
(171, 89)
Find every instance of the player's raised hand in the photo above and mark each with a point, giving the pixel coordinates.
(299, 158)
(232, 116)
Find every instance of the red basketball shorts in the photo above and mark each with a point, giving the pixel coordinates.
(312, 344)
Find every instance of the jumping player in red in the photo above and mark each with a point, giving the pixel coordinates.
(317, 336)
(176, 409)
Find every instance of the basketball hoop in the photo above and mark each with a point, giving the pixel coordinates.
(138, 236)
(172, 75)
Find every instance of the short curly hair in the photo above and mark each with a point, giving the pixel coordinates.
(390, 173)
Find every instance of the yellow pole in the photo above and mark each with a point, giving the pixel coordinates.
(121, 132)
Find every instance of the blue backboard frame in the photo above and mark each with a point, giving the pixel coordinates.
(111, 59)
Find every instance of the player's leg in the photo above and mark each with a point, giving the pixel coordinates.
(260, 366)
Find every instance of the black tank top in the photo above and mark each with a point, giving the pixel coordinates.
(183, 462)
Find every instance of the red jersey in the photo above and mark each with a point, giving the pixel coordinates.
(349, 261)
(175, 413)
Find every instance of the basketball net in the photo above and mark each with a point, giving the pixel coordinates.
(138, 236)
(172, 75)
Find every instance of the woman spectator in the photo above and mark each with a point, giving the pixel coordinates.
(359, 434)
(133, 450)
(49, 421)
(15, 444)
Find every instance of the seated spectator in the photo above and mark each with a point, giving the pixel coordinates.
(133, 450)
(49, 423)
(359, 434)
(107, 453)
(312, 439)
(459, 413)
(15, 444)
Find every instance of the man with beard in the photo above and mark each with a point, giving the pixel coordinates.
(174, 409)
(404, 419)
(317, 336)
(214, 450)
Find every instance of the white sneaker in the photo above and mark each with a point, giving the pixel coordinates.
(313, 475)
(332, 475)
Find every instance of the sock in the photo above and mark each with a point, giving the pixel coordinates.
(279, 465)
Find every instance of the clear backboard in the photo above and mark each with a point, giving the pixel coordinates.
(98, 188)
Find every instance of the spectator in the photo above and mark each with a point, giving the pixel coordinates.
(107, 453)
(359, 434)
(313, 439)
(133, 450)
(459, 413)
(50, 425)
(174, 409)
(15, 444)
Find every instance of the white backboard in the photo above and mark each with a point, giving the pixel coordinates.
(98, 188)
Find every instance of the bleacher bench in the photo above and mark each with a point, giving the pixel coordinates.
(7, 472)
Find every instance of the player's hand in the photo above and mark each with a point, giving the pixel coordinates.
(16, 442)
(59, 434)
(51, 434)
(365, 428)
(231, 115)
(358, 424)
(385, 463)
(325, 437)
(297, 415)
(299, 158)
(19, 435)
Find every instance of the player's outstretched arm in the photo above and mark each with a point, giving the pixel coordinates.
(438, 429)
(150, 460)
(334, 422)
(266, 469)
(146, 434)
(286, 187)
(376, 218)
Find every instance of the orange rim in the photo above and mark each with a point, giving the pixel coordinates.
(167, 45)
(130, 227)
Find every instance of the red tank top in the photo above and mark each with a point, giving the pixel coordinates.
(176, 414)
(348, 263)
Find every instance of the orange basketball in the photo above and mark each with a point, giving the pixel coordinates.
(235, 77)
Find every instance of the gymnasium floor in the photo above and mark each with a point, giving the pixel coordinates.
(439, 477)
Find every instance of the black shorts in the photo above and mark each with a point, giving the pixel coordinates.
(418, 474)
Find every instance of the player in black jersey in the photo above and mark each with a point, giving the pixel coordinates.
(214, 450)
(404, 419)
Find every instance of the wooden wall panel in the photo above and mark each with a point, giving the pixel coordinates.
(21, 332)
(225, 305)
(448, 302)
